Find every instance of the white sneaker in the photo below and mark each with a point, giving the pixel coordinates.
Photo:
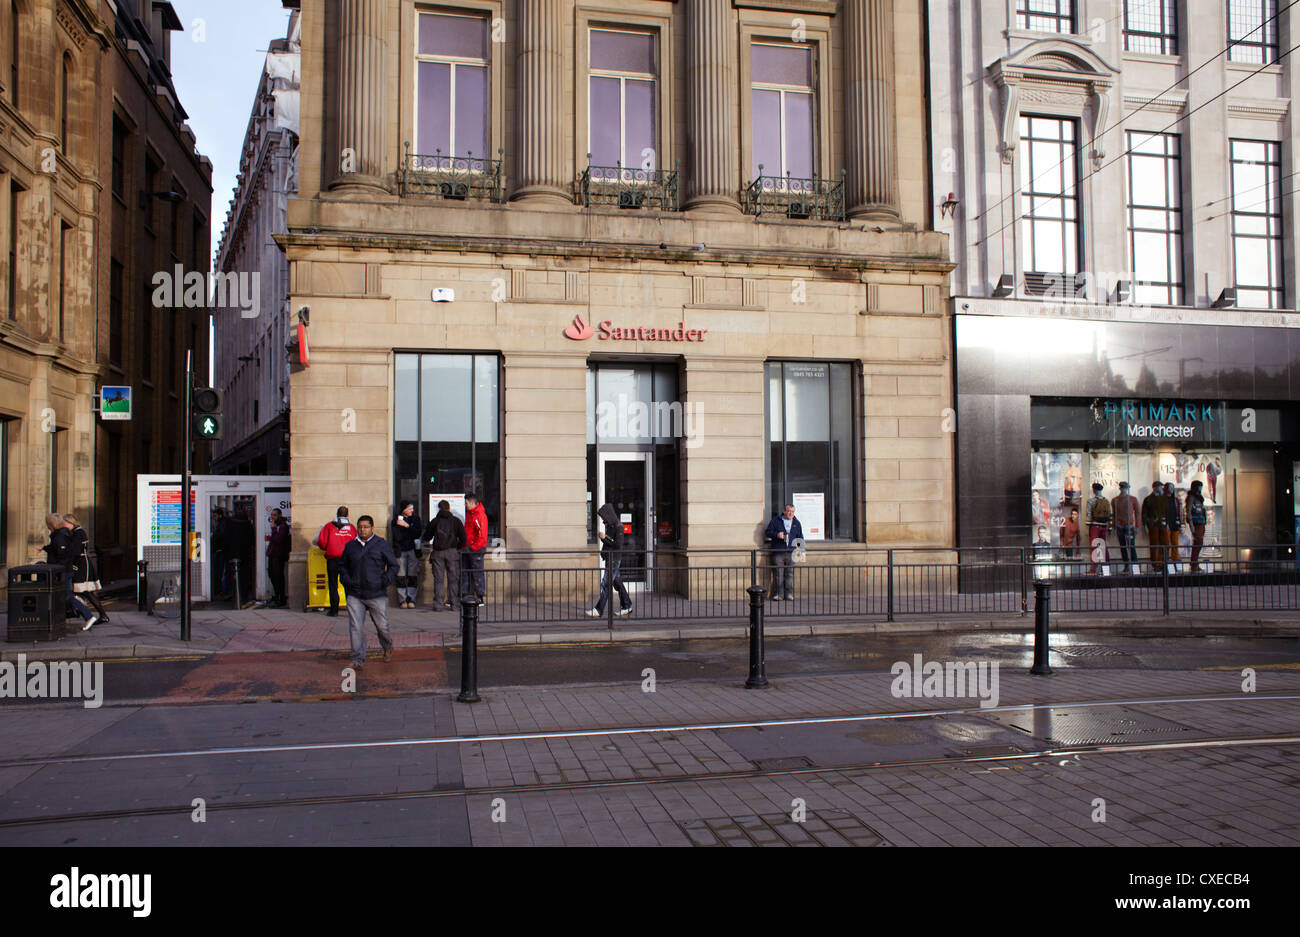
(593, 613)
(89, 622)
(624, 612)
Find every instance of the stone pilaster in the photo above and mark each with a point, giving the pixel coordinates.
(362, 82)
(870, 134)
(711, 75)
(540, 75)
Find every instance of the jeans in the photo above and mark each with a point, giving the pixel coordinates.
(783, 574)
(332, 568)
(408, 575)
(613, 567)
(446, 572)
(275, 570)
(1198, 539)
(77, 605)
(1127, 537)
(472, 580)
(378, 609)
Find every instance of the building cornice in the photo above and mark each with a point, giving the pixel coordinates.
(1123, 312)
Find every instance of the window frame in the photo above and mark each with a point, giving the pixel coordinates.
(1023, 14)
(1268, 47)
(454, 62)
(813, 92)
(1273, 216)
(1175, 291)
(653, 79)
(1027, 218)
(1166, 36)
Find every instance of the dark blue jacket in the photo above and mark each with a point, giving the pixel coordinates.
(777, 526)
(408, 537)
(369, 568)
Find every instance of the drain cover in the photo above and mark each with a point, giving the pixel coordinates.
(819, 828)
(1089, 726)
(1089, 650)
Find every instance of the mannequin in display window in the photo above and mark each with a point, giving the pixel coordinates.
(1126, 513)
(1173, 521)
(1153, 519)
(1099, 521)
(1196, 516)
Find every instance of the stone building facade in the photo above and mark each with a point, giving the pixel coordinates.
(102, 188)
(493, 309)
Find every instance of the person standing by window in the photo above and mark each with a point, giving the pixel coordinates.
(406, 529)
(782, 533)
(471, 560)
(277, 558)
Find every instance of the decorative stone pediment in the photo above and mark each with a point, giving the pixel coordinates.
(1061, 73)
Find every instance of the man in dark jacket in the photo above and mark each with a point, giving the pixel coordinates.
(1173, 521)
(611, 552)
(781, 534)
(1153, 519)
(277, 558)
(446, 536)
(59, 552)
(243, 543)
(369, 568)
(220, 552)
(406, 545)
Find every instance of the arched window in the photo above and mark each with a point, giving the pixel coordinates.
(13, 52)
(64, 79)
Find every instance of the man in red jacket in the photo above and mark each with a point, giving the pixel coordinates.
(471, 559)
(333, 537)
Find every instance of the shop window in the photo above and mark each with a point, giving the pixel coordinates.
(1151, 26)
(1252, 31)
(446, 430)
(451, 94)
(1048, 16)
(1049, 226)
(810, 460)
(1257, 223)
(1155, 217)
(784, 106)
(621, 120)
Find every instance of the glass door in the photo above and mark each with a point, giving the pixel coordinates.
(625, 482)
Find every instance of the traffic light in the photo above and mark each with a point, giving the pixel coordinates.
(207, 413)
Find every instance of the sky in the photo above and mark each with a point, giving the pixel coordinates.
(216, 65)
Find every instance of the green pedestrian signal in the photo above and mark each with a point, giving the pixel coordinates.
(207, 413)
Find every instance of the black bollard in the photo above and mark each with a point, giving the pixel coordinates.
(234, 581)
(468, 651)
(757, 666)
(1042, 611)
(141, 584)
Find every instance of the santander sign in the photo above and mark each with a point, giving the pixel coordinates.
(580, 331)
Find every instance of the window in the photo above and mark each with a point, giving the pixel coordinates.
(1155, 217)
(151, 185)
(13, 52)
(621, 124)
(115, 313)
(119, 159)
(1049, 229)
(446, 430)
(810, 422)
(1252, 31)
(146, 318)
(1048, 16)
(4, 488)
(451, 95)
(64, 78)
(66, 243)
(56, 444)
(1257, 222)
(15, 194)
(784, 105)
(1151, 26)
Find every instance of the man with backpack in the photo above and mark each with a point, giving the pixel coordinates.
(446, 536)
(333, 538)
(1099, 520)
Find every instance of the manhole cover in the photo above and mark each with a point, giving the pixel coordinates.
(1090, 650)
(1110, 725)
(782, 764)
(818, 828)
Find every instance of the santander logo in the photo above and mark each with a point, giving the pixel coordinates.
(579, 331)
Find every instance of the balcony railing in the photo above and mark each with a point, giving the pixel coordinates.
(816, 198)
(453, 177)
(626, 187)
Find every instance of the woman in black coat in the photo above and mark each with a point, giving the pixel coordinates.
(85, 582)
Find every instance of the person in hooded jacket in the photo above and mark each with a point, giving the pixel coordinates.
(406, 528)
(445, 535)
(612, 544)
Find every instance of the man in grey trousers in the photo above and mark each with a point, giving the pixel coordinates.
(369, 568)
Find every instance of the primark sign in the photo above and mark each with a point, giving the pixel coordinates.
(1153, 421)
(1160, 420)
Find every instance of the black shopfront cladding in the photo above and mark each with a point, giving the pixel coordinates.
(1027, 382)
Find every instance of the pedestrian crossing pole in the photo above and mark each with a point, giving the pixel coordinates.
(185, 497)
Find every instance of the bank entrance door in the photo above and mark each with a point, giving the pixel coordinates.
(624, 480)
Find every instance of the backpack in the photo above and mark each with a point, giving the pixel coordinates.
(448, 534)
(1100, 510)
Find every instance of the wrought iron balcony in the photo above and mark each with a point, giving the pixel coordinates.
(453, 177)
(626, 187)
(817, 198)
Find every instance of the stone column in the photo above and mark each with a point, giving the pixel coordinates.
(870, 136)
(539, 73)
(711, 75)
(361, 110)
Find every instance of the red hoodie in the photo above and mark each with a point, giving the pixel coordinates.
(476, 528)
(333, 539)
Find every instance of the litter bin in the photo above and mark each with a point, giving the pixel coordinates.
(37, 600)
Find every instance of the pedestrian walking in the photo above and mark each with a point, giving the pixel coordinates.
(613, 540)
(1196, 516)
(445, 535)
(368, 569)
(781, 533)
(277, 558)
(1125, 512)
(1099, 521)
(1153, 519)
(333, 537)
(85, 581)
(472, 579)
(58, 552)
(1173, 521)
(406, 529)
